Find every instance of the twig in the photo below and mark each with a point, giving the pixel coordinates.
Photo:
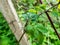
(40, 1)
(48, 18)
(24, 31)
(52, 24)
(46, 12)
(48, 9)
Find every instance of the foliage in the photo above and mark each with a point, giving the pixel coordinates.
(6, 36)
(39, 29)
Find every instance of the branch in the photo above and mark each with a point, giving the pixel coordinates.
(49, 9)
(48, 18)
(46, 12)
(52, 24)
(40, 1)
(24, 31)
(49, 3)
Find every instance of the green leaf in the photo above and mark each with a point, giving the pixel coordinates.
(29, 30)
(54, 12)
(41, 28)
(57, 42)
(40, 38)
(31, 1)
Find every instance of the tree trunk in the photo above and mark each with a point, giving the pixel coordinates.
(10, 15)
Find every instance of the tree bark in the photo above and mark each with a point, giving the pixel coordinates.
(10, 15)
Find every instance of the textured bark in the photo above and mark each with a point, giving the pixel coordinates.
(11, 16)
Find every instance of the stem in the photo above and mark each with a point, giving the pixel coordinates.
(24, 31)
(40, 1)
(52, 24)
(21, 36)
